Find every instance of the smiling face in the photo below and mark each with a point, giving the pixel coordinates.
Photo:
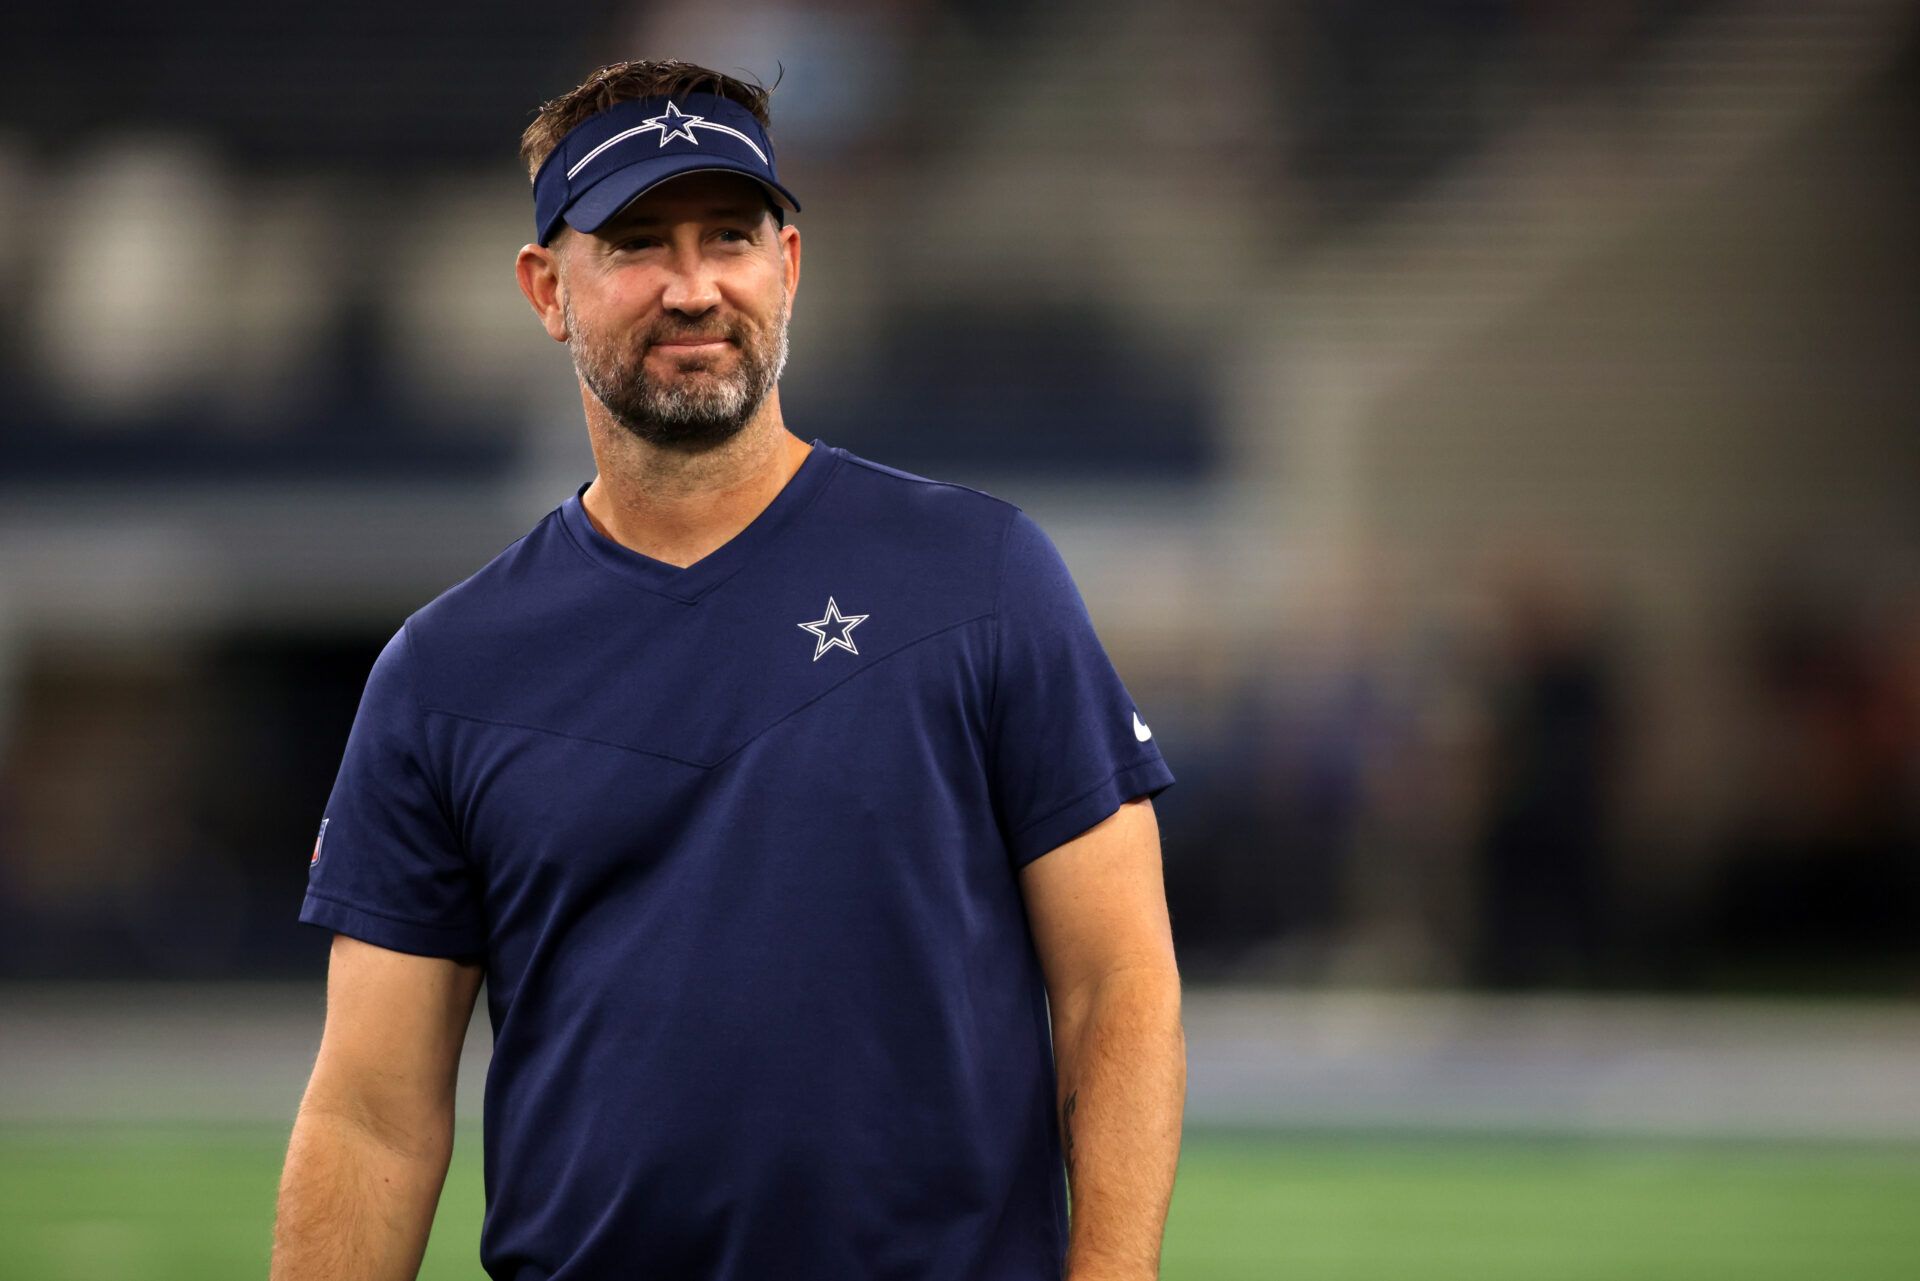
(675, 311)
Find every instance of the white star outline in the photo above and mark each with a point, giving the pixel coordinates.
(834, 620)
(672, 123)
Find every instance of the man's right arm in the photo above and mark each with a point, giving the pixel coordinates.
(374, 1135)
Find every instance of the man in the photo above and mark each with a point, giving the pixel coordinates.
(782, 798)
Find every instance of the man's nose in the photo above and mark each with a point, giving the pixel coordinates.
(691, 287)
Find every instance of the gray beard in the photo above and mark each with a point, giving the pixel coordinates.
(696, 410)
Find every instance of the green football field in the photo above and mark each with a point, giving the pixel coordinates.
(198, 1203)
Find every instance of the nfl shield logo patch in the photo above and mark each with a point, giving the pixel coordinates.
(318, 841)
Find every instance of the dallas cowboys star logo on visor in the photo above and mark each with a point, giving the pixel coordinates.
(672, 123)
(836, 622)
(675, 123)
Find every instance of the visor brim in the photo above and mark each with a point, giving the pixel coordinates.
(592, 209)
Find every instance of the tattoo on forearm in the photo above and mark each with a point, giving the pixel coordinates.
(1066, 1124)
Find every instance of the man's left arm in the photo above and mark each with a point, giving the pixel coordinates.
(1098, 912)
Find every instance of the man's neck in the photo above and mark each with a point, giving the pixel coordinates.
(678, 507)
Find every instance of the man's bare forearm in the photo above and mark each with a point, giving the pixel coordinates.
(1121, 1056)
(356, 1205)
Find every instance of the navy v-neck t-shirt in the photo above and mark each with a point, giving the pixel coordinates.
(738, 844)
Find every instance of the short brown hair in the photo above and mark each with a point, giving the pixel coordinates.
(625, 82)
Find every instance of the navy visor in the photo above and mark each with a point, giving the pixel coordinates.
(607, 160)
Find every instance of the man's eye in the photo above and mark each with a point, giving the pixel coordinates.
(736, 234)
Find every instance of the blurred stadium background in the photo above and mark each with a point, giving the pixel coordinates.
(1484, 431)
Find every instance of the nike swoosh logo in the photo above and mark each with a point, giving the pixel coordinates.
(1140, 731)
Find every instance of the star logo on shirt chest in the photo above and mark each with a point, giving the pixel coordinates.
(834, 630)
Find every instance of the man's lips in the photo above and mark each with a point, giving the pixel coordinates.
(692, 344)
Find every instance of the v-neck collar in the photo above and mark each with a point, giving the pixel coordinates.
(693, 581)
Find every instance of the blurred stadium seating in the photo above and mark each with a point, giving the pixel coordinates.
(1483, 433)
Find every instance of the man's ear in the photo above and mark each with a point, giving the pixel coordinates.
(538, 272)
(790, 252)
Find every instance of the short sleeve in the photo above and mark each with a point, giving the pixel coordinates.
(1067, 745)
(387, 866)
